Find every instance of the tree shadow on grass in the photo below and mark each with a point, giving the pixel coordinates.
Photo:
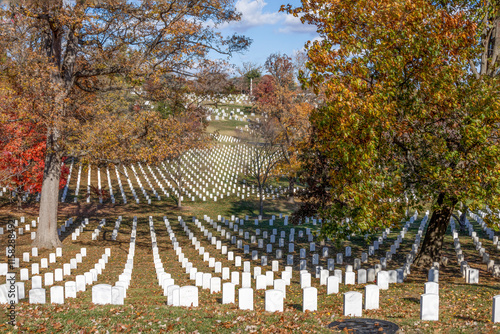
(271, 207)
(412, 300)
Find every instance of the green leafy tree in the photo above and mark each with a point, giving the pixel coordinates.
(411, 113)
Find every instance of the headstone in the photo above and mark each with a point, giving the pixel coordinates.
(70, 289)
(188, 296)
(215, 285)
(21, 293)
(431, 288)
(228, 293)
(495, 317)
(332, 285)
(350, 278)
(101, 294)
(24, 274)
(353, 304)
(370, 275)
(338, 273)
(37, 296)
(80, 283)
(305, 280)
(57, 295)
(362, 276)
(261, 282)
(429, 307)
(280, 284)
(235, 277)
(433, 275)
(274, 301)
(36, 282)
(372, 295)
(383, 280)
(323, 276)
(309, 299)
(331, 264)
(118, 295)
(173, 295)
(245, 299)
(58, 275)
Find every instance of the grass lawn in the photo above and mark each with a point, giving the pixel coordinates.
(463, 308)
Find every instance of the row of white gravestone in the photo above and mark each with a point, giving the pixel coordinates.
(4, 267)
(176, 295)
(471, 275)
(490, 263)
(489, 231)
(353, 301)
(362, 276)
(262, 281)
(195, 176)
(76, 231)
(274, 298)
(203, 177)
(59, 293)
(120, 186)
(418, 238)
(124, 279)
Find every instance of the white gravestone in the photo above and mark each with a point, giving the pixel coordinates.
(36, 282)
(245, 299)
(309, 299)
(372, 295)
(429, 307)
(228, 293)
(101, 294)
(37, 296)
(353, 303)
(188, 296)
(118, 295)
(215, 285)
(70, 289)
(332, 285)
(305, 280)
(383, 280)
(350, 278)
(280, 284)
(172, 296)
(80, 283)
(57, 295)
(361, 276)
(431, 287)
(274, 301)
(495, 316)
(261, 282)
(206, 280)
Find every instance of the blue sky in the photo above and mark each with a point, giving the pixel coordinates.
(270, 30)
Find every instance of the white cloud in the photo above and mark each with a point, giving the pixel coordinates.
(252, 15)
(293, 24)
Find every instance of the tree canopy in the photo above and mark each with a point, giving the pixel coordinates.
(411, 111)
(65, 63)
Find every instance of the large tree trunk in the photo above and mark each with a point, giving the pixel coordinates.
(46, 236)
(433, 242)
